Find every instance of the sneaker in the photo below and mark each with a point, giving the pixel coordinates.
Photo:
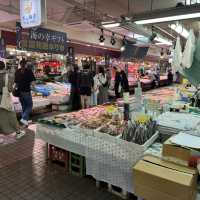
(20, 134)
(24, 122)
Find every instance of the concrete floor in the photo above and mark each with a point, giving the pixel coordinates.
(26, 175)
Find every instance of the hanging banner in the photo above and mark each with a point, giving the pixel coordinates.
(2, 48)
(32, 12)
(41, 40)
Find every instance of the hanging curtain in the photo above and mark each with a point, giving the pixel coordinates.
(177, 58)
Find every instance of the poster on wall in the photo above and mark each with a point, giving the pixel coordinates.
(41, 40)
(32, 13)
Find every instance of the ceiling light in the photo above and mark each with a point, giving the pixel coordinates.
(28, 54)
(168, 19)
(180, 30)
(168, 14)
(137, 36)
(113, 41)
(102, 38)
(123, 47)
(163, 41)
(111, 25)
(101, 43)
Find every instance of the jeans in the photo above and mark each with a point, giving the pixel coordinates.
(94, 99)
(27, 104)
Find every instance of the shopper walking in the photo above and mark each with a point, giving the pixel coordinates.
(95, 90)
(103, 86)
(75, 99)
(85, 84)
(24, 80)
(121, 82)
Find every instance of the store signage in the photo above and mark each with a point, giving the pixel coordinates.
(32, 12)
(41, 40)
(2, 48)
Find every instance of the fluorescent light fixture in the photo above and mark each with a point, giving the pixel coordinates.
(111, 25)
(189, 2)
(137, 36)
(180, 30)
(169, 18)
(163, 41)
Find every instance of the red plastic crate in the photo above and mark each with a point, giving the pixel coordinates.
(59, 155)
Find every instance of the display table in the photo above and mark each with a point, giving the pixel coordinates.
(108, 159)
(97, 137)
(172, 123)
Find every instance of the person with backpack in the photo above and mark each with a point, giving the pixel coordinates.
(103, 86)
(86, 83)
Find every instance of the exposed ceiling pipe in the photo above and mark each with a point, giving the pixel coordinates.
(67, 14)
(164, 32)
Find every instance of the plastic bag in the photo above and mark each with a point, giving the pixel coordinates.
(188, 54)
(192, 73)
(6, 101)
(177, 58)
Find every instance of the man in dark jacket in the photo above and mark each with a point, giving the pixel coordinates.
(86, 83)
(121, 82)
(73, 78)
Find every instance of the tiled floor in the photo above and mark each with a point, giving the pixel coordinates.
(26, 175)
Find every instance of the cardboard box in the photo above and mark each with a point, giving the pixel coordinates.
(155, 179)
(174, 151)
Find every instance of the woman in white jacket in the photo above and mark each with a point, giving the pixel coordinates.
(95, 90)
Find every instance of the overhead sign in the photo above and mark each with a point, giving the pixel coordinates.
(41, 40)
(32, 12)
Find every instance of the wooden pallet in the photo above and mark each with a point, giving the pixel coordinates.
(113, 189)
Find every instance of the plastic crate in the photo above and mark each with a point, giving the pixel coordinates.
(77, 165)
(59, 155)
